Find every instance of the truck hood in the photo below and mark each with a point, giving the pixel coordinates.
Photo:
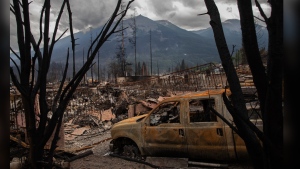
(131, 120)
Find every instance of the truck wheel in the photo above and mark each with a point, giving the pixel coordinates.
(131, 151)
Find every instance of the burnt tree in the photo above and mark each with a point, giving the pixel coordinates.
(238, 104)
(268, 83)
(30, 85)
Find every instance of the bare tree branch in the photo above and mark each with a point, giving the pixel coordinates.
(232, 110)
(121, 13)
(41, 24)
(61, 35)
(37, 55)
(259, 133)
(23, 37)
(17, 83)
(258, 18)
(27, 39)
(262, 13)
(253, 146)
(54, 105)
(117, 23)
(16, 67)
(30, 88)
(15, 53)
(104, 36)
(225, 120)
(50, 127)
(97, 37)
(203, 14)
(120, 30)
(72, 35)
(84, 69)
(32, 74)
(36, 48)
(46, 56)
(55, 139)
(92, 65)
(56, 28)
(12, 10)
(46, 30)
(233, 46)
(47, 51)
(20, 32)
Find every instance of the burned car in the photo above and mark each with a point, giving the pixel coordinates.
(182, 126)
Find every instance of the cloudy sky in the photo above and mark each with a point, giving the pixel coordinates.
(94, 13)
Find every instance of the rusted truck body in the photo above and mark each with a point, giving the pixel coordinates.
(184, 126)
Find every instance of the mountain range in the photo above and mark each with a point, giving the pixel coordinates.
(169, 43)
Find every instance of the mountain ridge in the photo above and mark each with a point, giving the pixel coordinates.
(233, 34)
(170, 44)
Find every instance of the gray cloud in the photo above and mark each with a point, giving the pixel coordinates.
(94, 13)
(162, 8)
(184, 12)
(87, 13)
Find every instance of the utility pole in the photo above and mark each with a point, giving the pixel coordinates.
(157, 68)
(98, 69)
(123, 50)
(83, 64)
(88, 56)
(123, 64)
(134, 34)
(74, 72)
(150, 55)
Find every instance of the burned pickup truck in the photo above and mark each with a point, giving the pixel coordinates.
(183, 126)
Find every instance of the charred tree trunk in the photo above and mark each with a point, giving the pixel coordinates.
(252, 51)
(39, 132)
(273, 118)
(252, 143)
(268, 85)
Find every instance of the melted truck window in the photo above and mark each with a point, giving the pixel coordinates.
(165, 113)
(200, 110)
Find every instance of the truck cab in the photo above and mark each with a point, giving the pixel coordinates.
(183, 126)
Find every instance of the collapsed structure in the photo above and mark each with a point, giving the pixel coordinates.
(93, 110)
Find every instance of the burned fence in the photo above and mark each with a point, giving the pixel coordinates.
(207, 76)
(202, 77)
(198, 78)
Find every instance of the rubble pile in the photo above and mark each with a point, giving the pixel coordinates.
(93, 110)
(245, 75)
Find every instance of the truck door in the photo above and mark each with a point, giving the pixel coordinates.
(205, 131)
(164, 133)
